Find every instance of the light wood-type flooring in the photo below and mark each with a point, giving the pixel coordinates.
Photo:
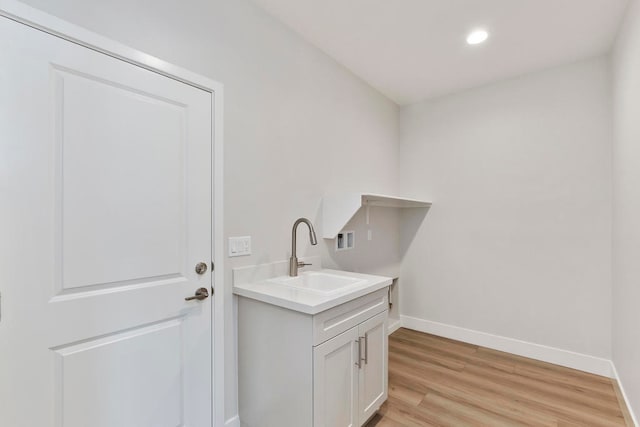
(435, 381)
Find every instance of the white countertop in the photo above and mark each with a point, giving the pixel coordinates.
(307, 301)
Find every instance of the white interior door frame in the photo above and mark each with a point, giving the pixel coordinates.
(41, 21)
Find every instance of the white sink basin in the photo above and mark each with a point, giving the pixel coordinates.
(319, 282)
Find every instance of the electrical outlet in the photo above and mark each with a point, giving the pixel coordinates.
(239, 246)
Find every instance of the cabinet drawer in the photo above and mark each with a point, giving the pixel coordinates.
(334, 321)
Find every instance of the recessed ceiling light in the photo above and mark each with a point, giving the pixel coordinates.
(477, 37)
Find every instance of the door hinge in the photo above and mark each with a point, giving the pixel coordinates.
(213, 267)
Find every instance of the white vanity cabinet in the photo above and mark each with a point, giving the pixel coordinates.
(312, 370)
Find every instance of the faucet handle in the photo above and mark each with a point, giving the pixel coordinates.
(302, 264)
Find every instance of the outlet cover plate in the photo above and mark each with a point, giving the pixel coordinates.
(239, 246)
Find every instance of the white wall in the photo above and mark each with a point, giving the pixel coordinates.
(626, 206)
(297, 125)
(518, 241)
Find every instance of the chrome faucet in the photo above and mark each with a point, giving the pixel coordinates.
(294, 264)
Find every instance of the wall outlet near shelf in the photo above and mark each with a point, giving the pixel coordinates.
(345, 240)
(239, 246)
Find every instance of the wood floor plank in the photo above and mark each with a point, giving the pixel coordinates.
(449, 352)
(570, 398)
(472, 384)
(602, 391)
(544, 367)
(501, 405)
(434, 358)
(436, 381)
(405, 394)
(469, 413)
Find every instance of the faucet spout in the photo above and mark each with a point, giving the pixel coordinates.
(293, 261)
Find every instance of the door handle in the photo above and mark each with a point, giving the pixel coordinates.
(201, 294)
(359, 362)
(366, 348)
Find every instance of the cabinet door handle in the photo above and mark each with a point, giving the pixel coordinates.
(366, 348)
(359, 362)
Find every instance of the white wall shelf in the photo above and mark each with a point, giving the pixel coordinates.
(338, 209)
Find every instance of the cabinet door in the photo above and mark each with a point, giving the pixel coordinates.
(335, 381)
(373, 374)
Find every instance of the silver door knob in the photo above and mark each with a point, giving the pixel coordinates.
(201, 267)
(201, 294)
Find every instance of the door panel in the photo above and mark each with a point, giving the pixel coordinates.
(106, 209)
(335, 384)
(121, 182)
(373, 375)
(117, 363)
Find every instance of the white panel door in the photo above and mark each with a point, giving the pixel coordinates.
(372, 390)
(335, 381)
(105, 185)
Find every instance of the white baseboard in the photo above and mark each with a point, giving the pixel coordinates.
(393, 325)
(233, 422)
(624, 394)
(569, 359)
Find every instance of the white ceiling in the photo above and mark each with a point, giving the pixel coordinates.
(411, 50)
